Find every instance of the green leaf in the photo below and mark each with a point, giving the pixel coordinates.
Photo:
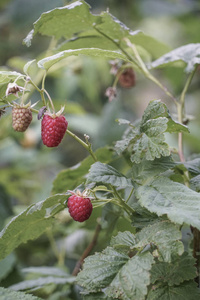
(185, 291)
(166, 197)
(64, 21)
(8, 294)
(155, 110)
(147, 169)
(53, 271)
(165, 236)
(90, 39)
(7, 265)
(100, 269)
(96, 296)
(39, 282)
(132, 280)
(189, 54)
(195, 183)
(153, 46)
(193, 166)
(30, 224)
(123, 240)
(180, 269)
(48, 62)
(82, 29)
(150, 143)
(106, 174)
(70, 178)
(147, 140)
(122, 276)
(115, 30)
(7, 76)
(27, 66)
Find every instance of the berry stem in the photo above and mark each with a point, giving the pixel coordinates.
(50, 100)
(181, 113)
(125, 206)
(129, 195)
(121, 202)
(88, 146)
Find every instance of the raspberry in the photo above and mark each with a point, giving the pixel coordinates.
(21, 118)
(53, 130)
(80, 208)
(127, 78)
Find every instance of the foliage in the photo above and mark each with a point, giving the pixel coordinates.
(144, 194)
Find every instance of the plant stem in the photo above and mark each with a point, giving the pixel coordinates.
(122, 203)
(130, 58)
(88, 146)
(58, 255)
(180, 111)
(129, 195)
(146, 72)
(87, 250)
(50, 100)
(126, 207)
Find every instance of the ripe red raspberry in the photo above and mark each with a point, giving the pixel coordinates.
(21, 118)
(127, 78)
(80, 208)
(53, 130)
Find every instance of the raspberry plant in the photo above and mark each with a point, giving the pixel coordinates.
(156, 191)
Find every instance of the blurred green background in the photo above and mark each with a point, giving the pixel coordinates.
(27, 168)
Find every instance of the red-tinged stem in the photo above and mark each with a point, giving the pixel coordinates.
(87, 250)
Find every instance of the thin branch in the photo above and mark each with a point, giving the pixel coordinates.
(87, 250)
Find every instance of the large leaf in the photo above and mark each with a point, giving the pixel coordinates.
(100, 269)
(180, 269)
(30, 224)
(103, 173)
(166, 197)
(132, 280)
(189, 54)
(185, 291)
(164, 235)
(8, 294)
(147, 169)
(147, 139)
(82, 29)
(70, 178)
(64, 21)
(128, 277)
(7, 76)
(47, 62)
